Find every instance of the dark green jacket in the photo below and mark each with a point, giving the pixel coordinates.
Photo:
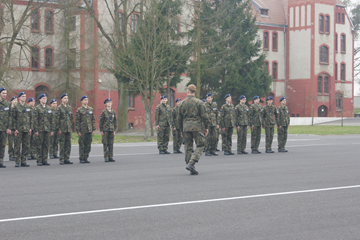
(22, 117)
(108, 122)
(163, 115)
(212, 112)
(283, 117)
(43, 120)
(192, 116)
(33, 111)
(65, 118)
(55, 119)
(5, 115)
(174, 117)
(227, 116)
(242, 115)
(255, 115)
(85, 120)
(269, 116)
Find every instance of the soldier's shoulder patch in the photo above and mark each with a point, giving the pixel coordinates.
(156, 109)
(100, 116)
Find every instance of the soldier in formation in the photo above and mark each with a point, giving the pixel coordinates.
(5, 123)
(283, 122)
(242, 124)
(255, 123)
(227, 124)
(54, 139)
(85, 127)
(177, 138)
(108, 126)
(269, 113)
(33, 146)
(192, 119)
(11, 137)
(163, 124)
(211, 139)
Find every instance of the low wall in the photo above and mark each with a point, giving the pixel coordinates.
(307, 120)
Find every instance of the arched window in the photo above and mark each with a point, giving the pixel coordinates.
(35, 52)
(343, 18)
(275, 41)
(336, 42)
(324, 54)
(172, 98)
(49, 21)
(338, 17)
(134, 22)
(319, 84)
(342, 72)
(336, 71)
(326, 84)
(266, 41)
(274, 70)
(266, 66)
(321, 23)
(339, 101)
(343, 43)
(49, 58)
(35, 20)
(327, 24)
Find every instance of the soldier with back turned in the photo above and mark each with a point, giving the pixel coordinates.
(5, 123)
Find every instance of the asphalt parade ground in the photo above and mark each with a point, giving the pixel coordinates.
(311, 192)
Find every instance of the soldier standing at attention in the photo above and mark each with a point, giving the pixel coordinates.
(108, 126)
(163, 122)
(85, 127)
(211, 139)
(11, 137)
(5, 123)
(64, 124)
(227, 124)
(269, 114)
(217, 133)
(255, 122)
(177, 139)
(283, 122)
(43, 130)
(33, 146)
(22, 118)
(242, 121)
(54, 139)
(192, 118)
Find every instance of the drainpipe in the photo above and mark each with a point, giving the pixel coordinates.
(285, 63)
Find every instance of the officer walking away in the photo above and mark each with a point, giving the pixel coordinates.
(43, 129)
(22, 118)
(64, 124)
(211, 139)
(192, 118)
(177, 139)
(163, 122)
(11, 137)
(227, 124)
(33, 143)
(54, 139)
(242, 122)
(108, 126)
(283, 122)
(255, 122)
(269, 120)
(85, 127)
(5, 123)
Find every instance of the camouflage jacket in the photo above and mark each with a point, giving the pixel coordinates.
(212, 112)
(5, 116)
(282, 116)
(269, 114)
(174, 118)
(227, 116)
(42, 118)
(22, 117)
(85, 120)
(65, 118)
(255, 115)
(33, 112)
(242, 115)
(192, 116)
(55, 119)
(162, 115)
(108, 121)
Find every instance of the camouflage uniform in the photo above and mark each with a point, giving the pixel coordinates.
(269, 114)
(54, 139)
(11, 144)
(43, 125)
(177, 139)
(5, 124)
(227, 121)
(255, 120)
(108, 125)
(64, 124)
(23, 122)
(283, 120)
(163, 119)
(191, 117)
(211, 139)
(33, 146)
(242, 121)
(85, 124)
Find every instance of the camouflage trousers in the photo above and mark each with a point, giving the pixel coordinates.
(65, 146)
(189, 138)
(3, 136)
(43, 140)
(163, 138)
(282, 137)
(85, 145)
(242, 138)
(217, 137)
(177, 139)
(22, 141)
(108, 144)
(54, 144)
(11, 142)
(33, 146)
(269, 133)
(227, 139)
(211, 140)
(255, 138)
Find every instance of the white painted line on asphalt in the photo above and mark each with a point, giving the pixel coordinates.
(178, 203)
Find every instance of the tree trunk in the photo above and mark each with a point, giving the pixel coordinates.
(151, 122)
(122, 108)
(147, 123)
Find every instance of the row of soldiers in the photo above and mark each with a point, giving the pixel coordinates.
(223, 121)
(29, 126)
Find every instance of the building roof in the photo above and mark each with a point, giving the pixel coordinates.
(277, 11)
(340, 3)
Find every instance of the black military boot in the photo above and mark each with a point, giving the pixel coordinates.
(239, 152)
(217, 150)
(254, 152)
(243, 152)
(106, 160)
(231, 153)
(68, 162)
(56, 156)
(46, 164)
(167, 152)
(191, 168)
(208, 154)
(2, 165)
(214, 154)
(87, 161)
(33, 157)
(24, 165)
(51, 156)
(269, 151)
(111, 160)
(82, 160)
